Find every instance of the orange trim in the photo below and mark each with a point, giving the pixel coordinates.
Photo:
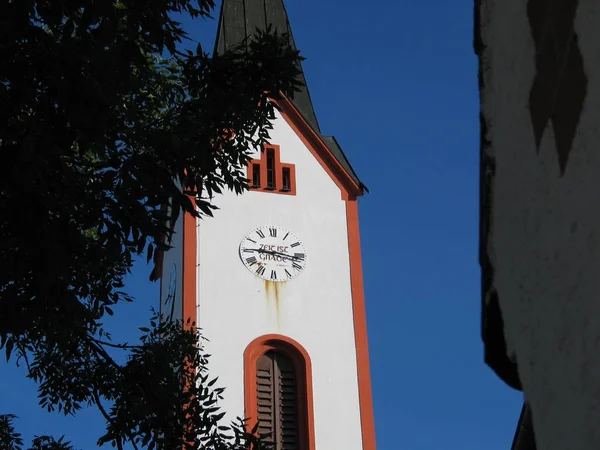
(318, 148)
(189, 272)
(367, 420)
(301, 360)
(189, 277)
(262, 163)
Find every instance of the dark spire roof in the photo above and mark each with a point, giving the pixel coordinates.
(238, 20)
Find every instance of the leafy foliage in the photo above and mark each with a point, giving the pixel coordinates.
(9, 438)
(157, 399)
(103, 123)
(49, 443)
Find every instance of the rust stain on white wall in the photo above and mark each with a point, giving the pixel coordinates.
(273, 295)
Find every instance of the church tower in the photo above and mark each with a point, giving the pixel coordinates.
(274, 280)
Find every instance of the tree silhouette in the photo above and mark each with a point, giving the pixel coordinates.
(103, 123)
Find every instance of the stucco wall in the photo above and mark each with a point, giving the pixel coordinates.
(544, 234)
(315, 309)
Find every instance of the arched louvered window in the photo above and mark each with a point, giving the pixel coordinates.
(277, 401)
(279, 392)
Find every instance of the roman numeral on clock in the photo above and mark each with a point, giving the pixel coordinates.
(296, 266)
(273, 232)
(287, 273)
(295, 244)
(251, 260)
(273, 275)
(260, 270)
(260, 233)
(299, 256)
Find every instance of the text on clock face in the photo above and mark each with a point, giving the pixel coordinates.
(274, 248)
(268, 252)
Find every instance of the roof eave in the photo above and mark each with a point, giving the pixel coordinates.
(354, 187)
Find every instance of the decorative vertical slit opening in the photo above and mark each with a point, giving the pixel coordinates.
(286, 179)
(255, 175)
(271, 181)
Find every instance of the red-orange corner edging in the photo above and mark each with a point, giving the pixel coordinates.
(302, 365)
(188, 270)
(367, 420)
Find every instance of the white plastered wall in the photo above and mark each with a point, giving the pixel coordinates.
(315, 309)
(545, 230)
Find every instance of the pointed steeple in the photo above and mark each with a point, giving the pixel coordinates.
(240, 19)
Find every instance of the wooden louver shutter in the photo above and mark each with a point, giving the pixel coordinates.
(277, 401)
(287, 411)
(265, 401)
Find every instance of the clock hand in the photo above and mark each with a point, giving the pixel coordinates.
(259, 250)
(272, 252)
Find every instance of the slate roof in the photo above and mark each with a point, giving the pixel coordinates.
(240, 19)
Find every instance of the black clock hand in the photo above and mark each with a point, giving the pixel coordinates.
(285, 255)
(270, 252)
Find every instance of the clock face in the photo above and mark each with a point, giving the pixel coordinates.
(273, 253)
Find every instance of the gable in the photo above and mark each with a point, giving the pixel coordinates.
(325, 149)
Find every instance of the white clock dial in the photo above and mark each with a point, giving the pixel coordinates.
(273, 253)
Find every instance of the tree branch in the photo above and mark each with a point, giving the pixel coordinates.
(109, 344)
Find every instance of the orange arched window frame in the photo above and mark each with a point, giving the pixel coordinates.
(303, 368)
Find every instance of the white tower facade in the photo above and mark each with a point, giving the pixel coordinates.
(274, 281)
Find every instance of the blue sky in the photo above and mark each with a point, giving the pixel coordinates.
(396, 82)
